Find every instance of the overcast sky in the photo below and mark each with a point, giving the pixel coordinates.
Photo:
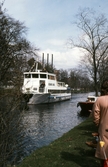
(49, 24)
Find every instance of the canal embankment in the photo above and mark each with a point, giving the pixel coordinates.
(69, 150)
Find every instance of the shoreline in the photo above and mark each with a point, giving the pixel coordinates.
(69, 150)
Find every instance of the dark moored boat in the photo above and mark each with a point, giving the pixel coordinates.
(86, 107)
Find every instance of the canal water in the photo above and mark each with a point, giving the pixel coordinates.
(47, 122)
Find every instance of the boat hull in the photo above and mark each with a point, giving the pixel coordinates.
(49, 98)
(86, 107)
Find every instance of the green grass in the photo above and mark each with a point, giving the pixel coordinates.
(68, 151)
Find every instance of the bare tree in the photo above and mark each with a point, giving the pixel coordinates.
(93, 41)
(79, 80)
(63, 76)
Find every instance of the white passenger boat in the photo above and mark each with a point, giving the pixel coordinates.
(42, 87)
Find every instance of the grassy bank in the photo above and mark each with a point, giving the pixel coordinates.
(69, 151)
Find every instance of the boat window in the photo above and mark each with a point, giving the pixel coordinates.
(34, 75)
(92, 99)
(57, 91)
(61, 84)
(51, 84)
(27, 75)
(43, 76)
(51, 77)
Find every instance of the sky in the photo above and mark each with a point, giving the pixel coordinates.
(50, 25)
